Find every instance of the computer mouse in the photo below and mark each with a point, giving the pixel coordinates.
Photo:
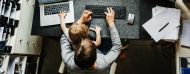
(131, 18)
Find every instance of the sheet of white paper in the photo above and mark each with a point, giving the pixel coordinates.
(11, 66)
(8, 11)
(1, 33)
(155, 24)
(13, 13)
(1, 3)
(185, 37)
(3, 9)
(173, 35)
(158, 10)
(17, 13)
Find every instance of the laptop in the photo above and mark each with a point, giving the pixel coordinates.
(50, 8)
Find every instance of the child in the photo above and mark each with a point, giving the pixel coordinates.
(78, 30)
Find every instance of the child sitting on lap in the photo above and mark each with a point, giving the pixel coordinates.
(78, 30)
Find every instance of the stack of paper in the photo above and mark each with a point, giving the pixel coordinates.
(173, 35)
(164, 23)
(185, 37)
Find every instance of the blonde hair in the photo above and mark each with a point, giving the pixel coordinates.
(77, 32)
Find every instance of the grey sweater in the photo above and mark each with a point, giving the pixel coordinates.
(103, 61)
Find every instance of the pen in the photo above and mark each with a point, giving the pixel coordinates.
(163, 27)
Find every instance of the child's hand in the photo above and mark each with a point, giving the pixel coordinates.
(62, 14)
(97, 29)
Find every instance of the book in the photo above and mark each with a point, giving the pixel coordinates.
(185, 37)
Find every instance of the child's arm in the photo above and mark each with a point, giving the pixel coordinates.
(62, 16)
(98, 37)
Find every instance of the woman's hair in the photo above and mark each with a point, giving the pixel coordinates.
(77, 32)
(85, 56)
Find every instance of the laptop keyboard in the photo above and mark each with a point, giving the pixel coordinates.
(98, 11)
(54, 9)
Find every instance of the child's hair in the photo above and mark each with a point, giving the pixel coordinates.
(77, 32)
(85, 56)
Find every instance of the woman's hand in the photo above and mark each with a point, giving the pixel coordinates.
(110, 16)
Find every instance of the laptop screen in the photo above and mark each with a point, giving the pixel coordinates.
(50, 1)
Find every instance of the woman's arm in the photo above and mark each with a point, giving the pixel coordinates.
(116, 43)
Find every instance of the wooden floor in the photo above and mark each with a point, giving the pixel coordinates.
(141, 57)
(144, 58)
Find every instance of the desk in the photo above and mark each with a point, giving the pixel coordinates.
(125, 31)
(141, 8)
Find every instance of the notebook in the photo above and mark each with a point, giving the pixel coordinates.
(185, 37)
(173, 35)
(161, 25)
(49, 10)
